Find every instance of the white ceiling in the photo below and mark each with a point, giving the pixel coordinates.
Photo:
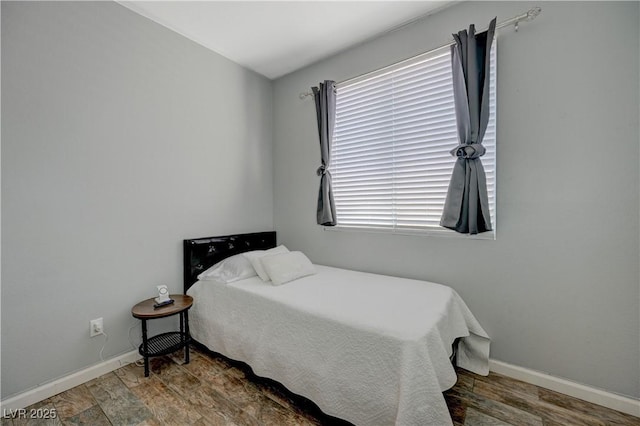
(275, 38)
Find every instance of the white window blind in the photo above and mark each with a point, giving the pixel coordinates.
(390, 154)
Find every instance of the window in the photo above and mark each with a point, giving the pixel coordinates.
(390, 163)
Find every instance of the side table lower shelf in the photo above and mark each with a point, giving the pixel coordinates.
(164, 344)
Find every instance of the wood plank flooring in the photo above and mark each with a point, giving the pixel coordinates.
(212, 390)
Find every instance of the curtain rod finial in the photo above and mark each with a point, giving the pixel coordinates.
(533, 13)
(305, 94)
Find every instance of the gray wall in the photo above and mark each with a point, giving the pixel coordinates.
(120, 138)
(558, 290)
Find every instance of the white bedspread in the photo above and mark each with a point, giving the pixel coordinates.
(371, 349)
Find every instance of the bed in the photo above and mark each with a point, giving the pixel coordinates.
(367, 348)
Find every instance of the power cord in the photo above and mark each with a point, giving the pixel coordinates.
(106, 339)
(139, 362)
(133, 345)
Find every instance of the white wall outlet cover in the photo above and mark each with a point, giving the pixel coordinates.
(96, 327)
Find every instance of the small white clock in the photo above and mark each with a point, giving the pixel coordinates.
(163, 294)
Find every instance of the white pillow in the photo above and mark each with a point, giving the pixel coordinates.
(285, 267)
(254, 258)
(231, 269)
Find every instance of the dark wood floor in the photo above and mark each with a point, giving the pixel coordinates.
(213, 391)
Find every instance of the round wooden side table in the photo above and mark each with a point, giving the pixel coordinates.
(165, 343)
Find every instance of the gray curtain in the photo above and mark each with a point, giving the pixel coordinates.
(325, 97)
(466, 209)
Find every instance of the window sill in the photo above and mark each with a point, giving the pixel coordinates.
(435, 232)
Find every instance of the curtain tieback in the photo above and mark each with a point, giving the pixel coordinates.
(322, 170)
(470, 151)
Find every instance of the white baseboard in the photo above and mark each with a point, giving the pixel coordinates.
(567, 387)
(62, 384)
(587, 393)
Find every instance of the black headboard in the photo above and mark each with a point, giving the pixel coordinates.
(202, 253)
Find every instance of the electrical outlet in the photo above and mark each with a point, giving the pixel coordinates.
(96, 327)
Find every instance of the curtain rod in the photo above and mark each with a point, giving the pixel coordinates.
(527, 16)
